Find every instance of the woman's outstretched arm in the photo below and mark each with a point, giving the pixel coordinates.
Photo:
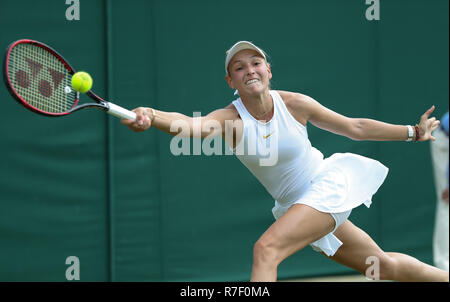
(175, 123)
(305, 108)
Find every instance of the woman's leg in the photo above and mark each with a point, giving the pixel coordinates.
(297, 228)
(357, 247)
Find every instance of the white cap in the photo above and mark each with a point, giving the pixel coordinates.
(241, 45)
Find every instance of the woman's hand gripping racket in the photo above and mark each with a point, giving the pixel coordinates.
(40, 79)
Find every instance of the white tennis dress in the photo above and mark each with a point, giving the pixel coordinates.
(280, 156)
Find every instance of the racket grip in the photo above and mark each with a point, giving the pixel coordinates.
(120, 112)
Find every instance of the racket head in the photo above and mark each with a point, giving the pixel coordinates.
(39, 78)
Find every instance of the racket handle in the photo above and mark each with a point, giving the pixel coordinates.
(120, 112)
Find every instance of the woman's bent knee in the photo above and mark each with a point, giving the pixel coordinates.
(264, 253)
(378, 268)
(388, 268)
(381, 268)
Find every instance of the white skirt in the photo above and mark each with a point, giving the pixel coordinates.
(343, 182)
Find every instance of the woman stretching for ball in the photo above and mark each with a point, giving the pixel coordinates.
(313, 196)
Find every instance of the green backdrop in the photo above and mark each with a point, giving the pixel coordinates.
(86, 186)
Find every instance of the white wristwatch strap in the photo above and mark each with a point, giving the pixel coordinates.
(410, 133)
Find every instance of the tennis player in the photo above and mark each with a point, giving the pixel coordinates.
(313, 196)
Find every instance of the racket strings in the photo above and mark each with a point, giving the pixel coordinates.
(40, 79)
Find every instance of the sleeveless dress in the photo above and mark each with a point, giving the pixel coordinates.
(279, 154)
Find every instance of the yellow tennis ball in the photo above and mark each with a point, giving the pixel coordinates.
(81, 82)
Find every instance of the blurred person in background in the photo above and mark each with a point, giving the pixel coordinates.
(439, 155)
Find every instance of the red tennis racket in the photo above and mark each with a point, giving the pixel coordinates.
(40, 79)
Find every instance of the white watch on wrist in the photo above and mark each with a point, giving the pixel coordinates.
(410, 133)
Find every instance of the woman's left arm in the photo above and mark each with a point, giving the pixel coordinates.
(379, 131)
(361, 128)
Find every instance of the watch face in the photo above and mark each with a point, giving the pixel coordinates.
(410, 133)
